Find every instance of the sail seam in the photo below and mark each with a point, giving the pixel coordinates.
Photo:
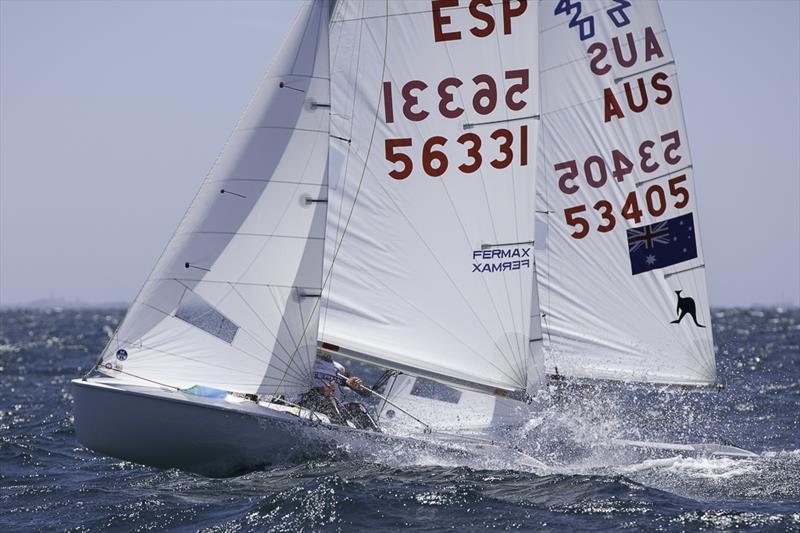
(270, 235)
(140, 344)
(585, 103)
(268, 180)
(406, 14)
(580, 59)
(284, 128)
(626, 76)
(258, 317)
(662, 176)
(244, 283)
(435, 322)
(271, 350)
(515, 357)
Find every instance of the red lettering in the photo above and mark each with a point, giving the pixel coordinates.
(505, 148)
(489, 93)
(607, 215)
(439, 21)
(601, 50)
(519, 88)
(655, 192)
(388, 108)
(447, 98)
(569, 176)
(631, 59)
(636, 108)
(611, 106)
(429, 155)
(657, 83)
(411, 100)
(483, 16)
(509, 13)
(473, 152)
(651, 46)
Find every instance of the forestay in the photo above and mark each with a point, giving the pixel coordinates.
(622, 274)
(233, 301)
(429, 242)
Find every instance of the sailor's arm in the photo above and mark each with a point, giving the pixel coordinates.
(352, 382)
(356, 385)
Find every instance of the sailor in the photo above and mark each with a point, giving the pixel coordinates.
(324, 396)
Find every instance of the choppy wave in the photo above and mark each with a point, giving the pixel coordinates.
(48, 481)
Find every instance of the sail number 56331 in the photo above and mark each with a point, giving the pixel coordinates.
(485, 95)
(435, 161)
(654, 200)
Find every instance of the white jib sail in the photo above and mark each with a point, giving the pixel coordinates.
(233, 301)
(622, 274)
(434, 128)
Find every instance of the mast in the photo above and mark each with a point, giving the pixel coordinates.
(622, 273)
(433, 148)
(233, 301)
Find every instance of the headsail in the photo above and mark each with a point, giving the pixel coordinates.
(233, 301)
(435, 120)
(622, 274)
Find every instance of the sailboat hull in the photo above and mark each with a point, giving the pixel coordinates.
(209, 436)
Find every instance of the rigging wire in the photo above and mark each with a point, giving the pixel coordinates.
(358, 189)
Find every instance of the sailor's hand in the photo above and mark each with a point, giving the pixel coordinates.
(355, 383)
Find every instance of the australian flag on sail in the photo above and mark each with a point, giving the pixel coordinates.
(662, 244)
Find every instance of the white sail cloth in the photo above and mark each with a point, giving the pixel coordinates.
(233, 301)
(622, 259)
(431, 267)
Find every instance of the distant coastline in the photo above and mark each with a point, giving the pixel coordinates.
(56, 303)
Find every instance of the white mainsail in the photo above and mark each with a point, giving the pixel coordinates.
(622, 262)
(446, 408)
(429, 243)
(233, 301)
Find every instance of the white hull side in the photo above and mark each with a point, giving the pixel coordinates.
(213, 437)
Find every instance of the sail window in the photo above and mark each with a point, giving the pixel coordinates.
(435, 391)
(201, 314)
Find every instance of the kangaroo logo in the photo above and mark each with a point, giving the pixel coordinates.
(686, 306)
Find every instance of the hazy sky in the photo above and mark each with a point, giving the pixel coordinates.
(111, 113)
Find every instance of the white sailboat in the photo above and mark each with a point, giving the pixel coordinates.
(376, 201)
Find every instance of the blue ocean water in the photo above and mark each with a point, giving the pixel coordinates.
(48, 481)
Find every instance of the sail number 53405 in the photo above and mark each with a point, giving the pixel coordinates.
(654, 199)
(595, 169)
(435, 161)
